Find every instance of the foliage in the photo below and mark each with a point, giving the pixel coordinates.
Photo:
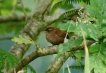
(7, 57)
(21, 40)
(76, 1)
(97, 58)
(78, 56)
(62, 5)
(2, 57)
(76, 67)
(65, 5)
(15, 27)
(6, 7)
(11, 60)
(95, 32)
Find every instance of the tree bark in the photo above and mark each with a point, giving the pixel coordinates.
(32, 28)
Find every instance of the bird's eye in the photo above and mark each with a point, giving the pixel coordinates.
(49, 30)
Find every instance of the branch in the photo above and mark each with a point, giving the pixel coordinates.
(46, 51)
(48, 19)
(54, 17)
(13, 17)
(23, 10)
(57, 64)
(25, 61)
(6, 38)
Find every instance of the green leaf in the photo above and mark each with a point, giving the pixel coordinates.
(97, 64)
(62, 48)
(98, 59)
(6, 56)
(79, 56)
(93, 32)
(29, 67)
(68, 26)
(90, 30)
(21, 40)
(76, 67)
(97, 9)
(103, 52)
(94, 48)
(85, 28)
(6, 7)
(2, 58)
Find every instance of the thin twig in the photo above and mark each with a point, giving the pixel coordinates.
(66, 33)
(6, 38)
(24, 10)
(13, 18)
(14, 7)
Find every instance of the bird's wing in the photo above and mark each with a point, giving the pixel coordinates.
(62, 34)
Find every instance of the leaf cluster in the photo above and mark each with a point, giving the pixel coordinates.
(63, 5)
(9, 60)
(93, 32)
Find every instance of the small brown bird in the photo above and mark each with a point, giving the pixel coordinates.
(54, 35)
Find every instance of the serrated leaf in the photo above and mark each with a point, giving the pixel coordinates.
(21, 40)
(97, 64)
(97, 9)
(93, 32)
(97, 59)
(85, 28)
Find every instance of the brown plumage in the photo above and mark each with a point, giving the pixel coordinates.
(54, 35)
